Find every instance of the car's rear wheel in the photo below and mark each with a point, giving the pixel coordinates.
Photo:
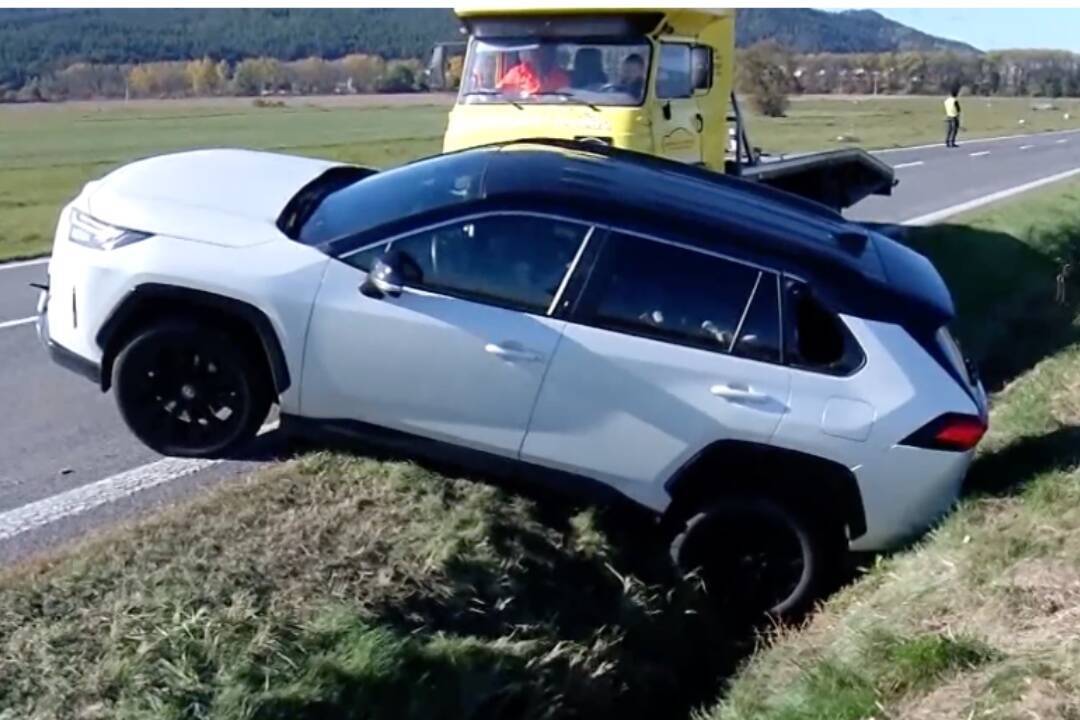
(757, 557)
(187, 391)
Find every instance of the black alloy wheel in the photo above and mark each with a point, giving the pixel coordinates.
(755, 557)
(187, 391)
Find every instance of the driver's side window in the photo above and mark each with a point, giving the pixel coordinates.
(514, 261)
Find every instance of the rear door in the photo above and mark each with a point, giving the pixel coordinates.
(668, 350)
(677, 122)
(459, 356)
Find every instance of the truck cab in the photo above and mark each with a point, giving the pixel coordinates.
(656, 81)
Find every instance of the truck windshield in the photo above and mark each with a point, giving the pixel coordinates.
(556, 72)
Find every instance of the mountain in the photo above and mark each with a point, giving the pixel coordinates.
(35, 41)
(851, 31)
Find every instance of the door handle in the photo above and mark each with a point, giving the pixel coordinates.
(742, 393)
(512, 354)
(699, 122)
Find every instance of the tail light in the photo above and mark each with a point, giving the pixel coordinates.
(952, 431)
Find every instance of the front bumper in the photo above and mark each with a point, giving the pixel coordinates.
(58, 353)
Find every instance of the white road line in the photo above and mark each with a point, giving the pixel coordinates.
(908, 164)
(1026, 147)
(979, 154)
(944, 213)
(16, 323)
(85, 498)
(973, 141)
(23, 263)
(116, 487)
(1062, 141)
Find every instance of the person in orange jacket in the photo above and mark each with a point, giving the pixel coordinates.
(537, 72)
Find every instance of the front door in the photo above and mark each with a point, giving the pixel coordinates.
(677, 122)
(459, 356)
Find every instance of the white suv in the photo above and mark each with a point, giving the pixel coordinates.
(774, 383)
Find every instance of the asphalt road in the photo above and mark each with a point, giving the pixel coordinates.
(68, 464)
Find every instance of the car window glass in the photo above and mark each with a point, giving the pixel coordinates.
(819, 340)
(673, 76)
(511, 260)
(430, 184)
(667, 292)
(759, 337)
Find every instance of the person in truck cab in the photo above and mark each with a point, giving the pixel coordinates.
(537, 72)
(632, 75)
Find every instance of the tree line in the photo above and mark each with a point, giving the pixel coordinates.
(355, 73)
(42, 42)
(769, 73)
(765, 69)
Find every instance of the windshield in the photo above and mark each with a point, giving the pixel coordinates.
(553, 72)
(347, 209)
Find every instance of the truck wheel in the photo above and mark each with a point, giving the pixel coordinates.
(758, 558)
(186, 391)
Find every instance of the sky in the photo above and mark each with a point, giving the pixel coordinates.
(997, 28)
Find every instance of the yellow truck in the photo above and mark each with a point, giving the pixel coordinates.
(658, 81)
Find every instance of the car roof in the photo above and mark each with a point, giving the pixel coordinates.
(860, 270)
(627, 185)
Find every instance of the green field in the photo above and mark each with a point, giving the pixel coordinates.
(48, 151)
(338, 586)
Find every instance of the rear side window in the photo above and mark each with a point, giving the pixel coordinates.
(818, 339)
(426, 185)
(666, 292)
(759, 336)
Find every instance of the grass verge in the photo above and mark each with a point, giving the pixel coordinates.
(981, 619)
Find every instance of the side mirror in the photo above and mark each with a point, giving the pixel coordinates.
(388, 276)
(701, 67)
(436, 69)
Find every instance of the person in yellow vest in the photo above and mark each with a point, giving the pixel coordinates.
(952, 117)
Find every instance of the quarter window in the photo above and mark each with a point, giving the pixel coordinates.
(515, 261)
(673, 75)
(670, 293)
(819, 341)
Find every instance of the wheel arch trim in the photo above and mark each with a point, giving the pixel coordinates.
(183, 297)
(827, 482)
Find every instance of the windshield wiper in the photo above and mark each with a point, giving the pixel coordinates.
(495, 93)
(567, 96)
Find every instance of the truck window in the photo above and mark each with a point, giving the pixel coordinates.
(673, 75)
(554, 72)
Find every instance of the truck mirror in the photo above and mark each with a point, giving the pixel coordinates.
(701, 67)
(436, 69)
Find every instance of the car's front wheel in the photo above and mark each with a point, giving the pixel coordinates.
(758, 557)
(187, 391)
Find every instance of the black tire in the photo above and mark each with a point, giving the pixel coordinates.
(758, 558)
(187, 391)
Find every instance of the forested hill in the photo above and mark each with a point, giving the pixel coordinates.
(853, 31)
(33, 42)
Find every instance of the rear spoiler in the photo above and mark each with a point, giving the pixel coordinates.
(836, 178)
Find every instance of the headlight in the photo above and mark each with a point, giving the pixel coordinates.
(89, 232)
